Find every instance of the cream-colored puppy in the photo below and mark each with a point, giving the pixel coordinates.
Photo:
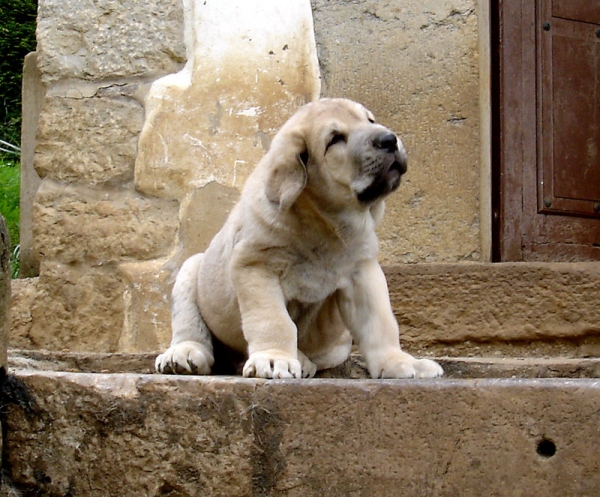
(292, 278)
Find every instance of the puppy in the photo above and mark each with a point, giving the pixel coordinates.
(292, 278)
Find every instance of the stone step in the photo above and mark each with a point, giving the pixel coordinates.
(353, 368)
(459, 309)
(502, 310)
(496, 424)
(130, 434)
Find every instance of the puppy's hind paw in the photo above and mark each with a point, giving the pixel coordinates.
(185, 358)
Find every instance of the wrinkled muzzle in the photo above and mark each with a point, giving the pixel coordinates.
(384, 167)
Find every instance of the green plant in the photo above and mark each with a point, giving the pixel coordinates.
(17, 38)
(10, 184)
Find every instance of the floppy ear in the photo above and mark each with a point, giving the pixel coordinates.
(286, 174)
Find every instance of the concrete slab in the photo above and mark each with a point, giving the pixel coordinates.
(131, 434)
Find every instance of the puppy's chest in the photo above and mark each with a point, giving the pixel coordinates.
(313, 276)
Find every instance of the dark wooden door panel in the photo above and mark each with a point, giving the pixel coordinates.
(577, 10)
(545, 130)
(569, 112)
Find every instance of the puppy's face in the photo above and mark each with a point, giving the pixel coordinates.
(333, 151)
(350, 157)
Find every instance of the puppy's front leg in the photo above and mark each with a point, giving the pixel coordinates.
(366, 310)
(270, 332)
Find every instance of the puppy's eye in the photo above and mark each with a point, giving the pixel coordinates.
(371, 120)
(336, 138)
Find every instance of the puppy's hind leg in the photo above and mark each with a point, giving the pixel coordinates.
(191, 349)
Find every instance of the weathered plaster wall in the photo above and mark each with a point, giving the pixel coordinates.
(250, 66)
(110, 229)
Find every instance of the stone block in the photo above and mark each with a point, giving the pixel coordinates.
(415, 65)
(24, 295)
(77, 308)
(509, 309)
(33, 92)
(5, 274)
(90, 141)
(489, 310)
(236, 437)
(202, 215)
(76, 224)
(250, 68)
(109, 39)
(147, 325)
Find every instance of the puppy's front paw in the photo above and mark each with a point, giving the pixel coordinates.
(426, 368)
(272, 364)
(185, 358)
(404, 365)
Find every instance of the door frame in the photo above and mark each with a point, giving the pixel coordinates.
(513, 140)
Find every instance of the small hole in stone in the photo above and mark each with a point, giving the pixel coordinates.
(546, 448)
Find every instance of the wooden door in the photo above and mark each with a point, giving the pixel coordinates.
(546, 130)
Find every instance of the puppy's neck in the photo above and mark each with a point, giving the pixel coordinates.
(341, 225)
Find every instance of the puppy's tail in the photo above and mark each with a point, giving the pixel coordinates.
(186, 322)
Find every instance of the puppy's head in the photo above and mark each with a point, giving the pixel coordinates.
(333, 150)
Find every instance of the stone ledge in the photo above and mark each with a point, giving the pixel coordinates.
(89, 434)
(353, 368)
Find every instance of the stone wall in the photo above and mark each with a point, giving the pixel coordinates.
(124, 82)
(415, 65)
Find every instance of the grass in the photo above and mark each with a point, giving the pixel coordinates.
(10, 184)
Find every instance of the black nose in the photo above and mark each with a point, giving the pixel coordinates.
(386, 141)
